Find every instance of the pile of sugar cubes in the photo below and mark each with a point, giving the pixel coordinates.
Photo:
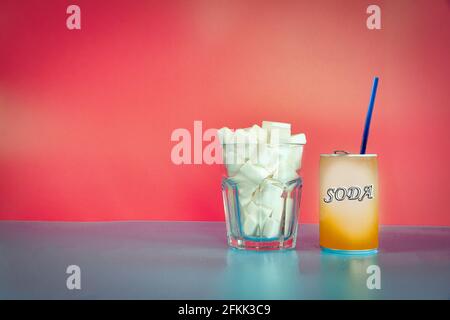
(261, 161)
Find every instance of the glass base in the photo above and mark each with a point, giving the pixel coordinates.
(261, 244)
(349, 252)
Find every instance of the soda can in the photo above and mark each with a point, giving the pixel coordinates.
(349, 203)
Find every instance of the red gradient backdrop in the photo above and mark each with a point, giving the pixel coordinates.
(86, 115)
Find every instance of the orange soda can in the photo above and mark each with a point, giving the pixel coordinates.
(349, 203)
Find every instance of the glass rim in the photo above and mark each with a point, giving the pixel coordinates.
(299, 179)
(358, 155)
(264, 144)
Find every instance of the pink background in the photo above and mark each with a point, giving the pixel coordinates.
(86, 116)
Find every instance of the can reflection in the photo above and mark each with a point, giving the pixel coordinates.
(345, 277)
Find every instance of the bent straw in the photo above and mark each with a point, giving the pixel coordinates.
(369, 116)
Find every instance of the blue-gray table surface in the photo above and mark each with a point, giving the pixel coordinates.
(191, 260)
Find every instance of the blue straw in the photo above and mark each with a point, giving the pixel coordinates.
(369, 116)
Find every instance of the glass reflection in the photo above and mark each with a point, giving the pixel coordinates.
(262, 275)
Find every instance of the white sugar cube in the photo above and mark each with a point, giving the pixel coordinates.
(251, 152)
(287, 168)
(254, 173)
(271, 228)
(279, 132)
(250, 225)
(245, 188)
(250, 136)
(225, 135)
(233, 169)
(233, 155)
(277, 136)
(261, 134)
(267, 157)
(233, 160)
(260, 211)
(273, 124)
(295, 157)
(270, 194)
(285, 173)
(245, 195)
(298, 138)
(241, 136)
